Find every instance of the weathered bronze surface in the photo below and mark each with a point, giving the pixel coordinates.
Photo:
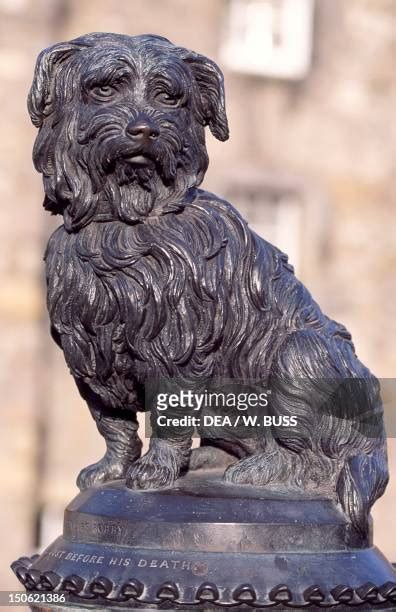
(155, 284)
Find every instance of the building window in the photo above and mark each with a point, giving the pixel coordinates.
(271, 38)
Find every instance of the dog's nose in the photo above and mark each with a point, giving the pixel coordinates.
(142, 130)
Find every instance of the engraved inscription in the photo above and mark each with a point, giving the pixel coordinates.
(76, 557)
(93, 527)
(198, 568)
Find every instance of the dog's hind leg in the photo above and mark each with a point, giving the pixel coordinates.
(338, 445)
(123, 445)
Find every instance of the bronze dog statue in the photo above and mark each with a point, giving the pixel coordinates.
(150, 277)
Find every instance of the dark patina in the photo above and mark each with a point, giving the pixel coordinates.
(152, 279)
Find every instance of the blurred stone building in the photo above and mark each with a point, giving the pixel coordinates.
(310, 163)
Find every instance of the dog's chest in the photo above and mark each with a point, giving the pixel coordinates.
(136, 300)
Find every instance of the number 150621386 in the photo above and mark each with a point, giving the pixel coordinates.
(22, 598)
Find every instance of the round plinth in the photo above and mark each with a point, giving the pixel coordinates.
(206, 544)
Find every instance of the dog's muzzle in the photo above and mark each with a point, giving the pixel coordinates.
(142, 132)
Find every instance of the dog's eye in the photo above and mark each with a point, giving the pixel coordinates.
(103, 92)
(167, 99)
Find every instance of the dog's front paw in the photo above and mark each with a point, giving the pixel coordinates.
(108, 468)
(154, 470)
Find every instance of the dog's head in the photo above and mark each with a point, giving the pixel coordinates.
(121, 125)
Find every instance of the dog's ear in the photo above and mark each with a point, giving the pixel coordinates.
(44, 87)
(210, 82)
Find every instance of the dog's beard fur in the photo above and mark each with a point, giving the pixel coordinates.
(91, 174)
